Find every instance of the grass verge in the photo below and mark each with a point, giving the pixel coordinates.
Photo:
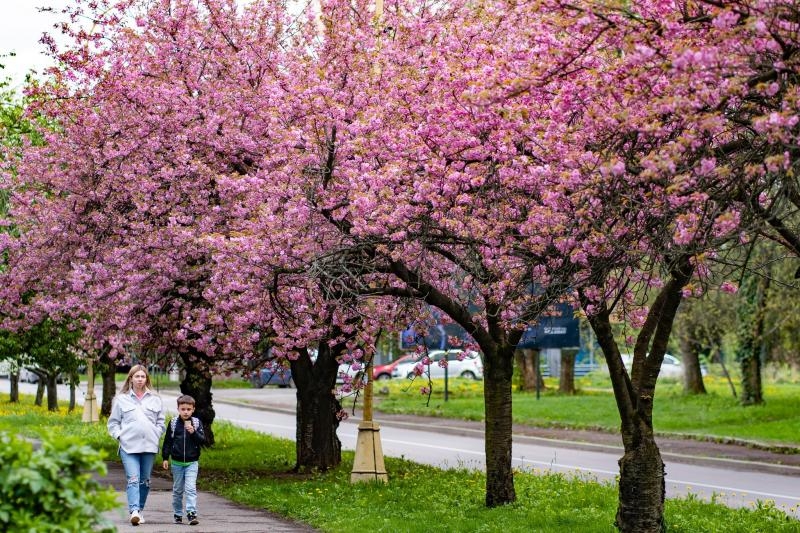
(716, 414)
(252, 469)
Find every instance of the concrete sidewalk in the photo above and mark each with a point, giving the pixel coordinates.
(216, 514)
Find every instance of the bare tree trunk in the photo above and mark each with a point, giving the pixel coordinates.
(641, 481)
(14, 391)
(526, 359)
(317, 445)
(725, 372)
(109, 374)
(73, 384)
(497, 345)
(197, 384)
(52, 391)
(498, 425)
(566, 381)
(39, 392)
(641, 484)
(692, 375)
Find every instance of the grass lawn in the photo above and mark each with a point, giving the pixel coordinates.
(251, 468)
(716, 414)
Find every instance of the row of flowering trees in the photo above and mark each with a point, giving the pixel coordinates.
(216, 174)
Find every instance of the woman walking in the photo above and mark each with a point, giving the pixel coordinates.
(137, 422)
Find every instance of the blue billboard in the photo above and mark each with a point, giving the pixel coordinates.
(558, 329)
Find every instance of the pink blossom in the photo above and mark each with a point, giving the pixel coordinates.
(729, 287)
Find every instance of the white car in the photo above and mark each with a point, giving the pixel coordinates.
(459, 364)
(671, 366)
(349, 371)
(26, 375)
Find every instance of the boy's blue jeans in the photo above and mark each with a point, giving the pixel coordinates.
(184, 480)
(138, 467)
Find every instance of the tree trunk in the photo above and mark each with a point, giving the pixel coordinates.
(751, 380)
(526, 361)
(52, 392)
(641, 484)
(317, 446)
(498, 424)
(721, 359)
(566, 381)
(692, 375)
(14, 391)
(641, 480)
(73, 384)
(197, 384)
(109, 374)
(39, 392)
(751, 326)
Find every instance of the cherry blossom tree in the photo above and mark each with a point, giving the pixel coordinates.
(225, 175)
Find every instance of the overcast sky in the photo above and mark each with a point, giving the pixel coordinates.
(21, 26)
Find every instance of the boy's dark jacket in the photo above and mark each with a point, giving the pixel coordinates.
(179, 444)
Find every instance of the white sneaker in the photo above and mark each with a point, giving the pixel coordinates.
(135, 517)
(141, 517)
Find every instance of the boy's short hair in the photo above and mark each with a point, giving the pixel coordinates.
(185, 399)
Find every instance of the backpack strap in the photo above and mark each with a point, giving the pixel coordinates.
(174, 423)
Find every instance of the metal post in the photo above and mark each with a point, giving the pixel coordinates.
(446, 380)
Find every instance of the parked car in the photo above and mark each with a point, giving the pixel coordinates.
(350, 370)
(385, 371)
(27, 375)
(272, 374)
(379, 372)
(469, 366)
(671, 366)
(5, 369)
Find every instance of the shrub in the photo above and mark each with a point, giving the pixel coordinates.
(52, 488)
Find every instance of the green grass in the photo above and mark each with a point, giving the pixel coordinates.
(716, 414)
(252, 469)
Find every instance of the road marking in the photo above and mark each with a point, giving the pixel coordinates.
(733, 489)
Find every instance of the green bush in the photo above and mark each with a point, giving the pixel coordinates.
(52, 489)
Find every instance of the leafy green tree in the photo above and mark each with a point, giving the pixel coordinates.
(48, 348)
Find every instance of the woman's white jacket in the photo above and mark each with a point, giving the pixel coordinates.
(137, 424)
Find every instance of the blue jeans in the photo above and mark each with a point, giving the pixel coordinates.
(138, 467)
(184, 479)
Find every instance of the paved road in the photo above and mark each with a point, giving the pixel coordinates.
(734, 482)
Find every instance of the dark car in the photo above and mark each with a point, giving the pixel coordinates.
(272, 374)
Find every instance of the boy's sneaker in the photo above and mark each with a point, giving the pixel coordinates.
(135, 517)
(141, 517)
(192, 517)
(178, 519)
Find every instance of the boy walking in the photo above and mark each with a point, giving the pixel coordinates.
(181, 450)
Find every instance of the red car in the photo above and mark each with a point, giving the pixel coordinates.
(385, 371)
